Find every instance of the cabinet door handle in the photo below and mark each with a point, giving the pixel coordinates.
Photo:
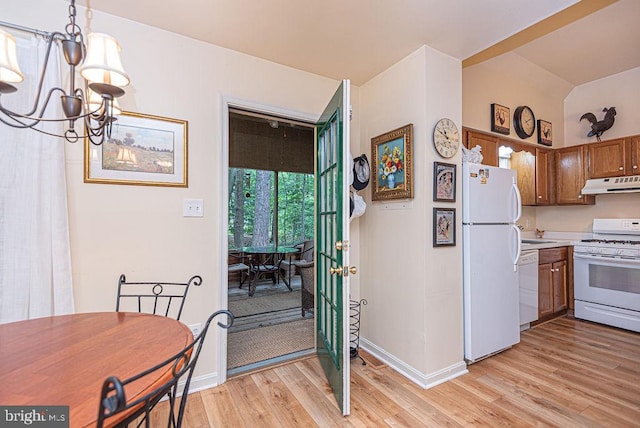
(635, 167)
(620, 168)
(539, 196)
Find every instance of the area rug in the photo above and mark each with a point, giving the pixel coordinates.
(263, 304)
(251, 346)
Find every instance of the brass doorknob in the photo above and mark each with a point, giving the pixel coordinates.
(353, 270)
(334, 271)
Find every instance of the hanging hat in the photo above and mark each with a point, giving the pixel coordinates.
(361, 172)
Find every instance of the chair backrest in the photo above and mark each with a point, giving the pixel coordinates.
(160, 298)
(113, 400)
(306, 253)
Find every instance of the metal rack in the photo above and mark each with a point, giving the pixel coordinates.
(354, 327)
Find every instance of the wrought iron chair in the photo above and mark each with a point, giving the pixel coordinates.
(240, 266)
(160, 298)
(115, 407)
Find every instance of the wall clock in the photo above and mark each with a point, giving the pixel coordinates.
(524, 121)
(446, 138)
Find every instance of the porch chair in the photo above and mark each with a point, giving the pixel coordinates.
(113, 400)
(237, 265)
(289, 266)
(307, 291)
(159, 298)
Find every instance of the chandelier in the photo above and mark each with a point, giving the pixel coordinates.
(95, 106)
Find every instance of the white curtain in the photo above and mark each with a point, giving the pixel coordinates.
(35, 259)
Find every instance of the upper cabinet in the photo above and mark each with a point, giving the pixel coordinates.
(534, 166)
(488, 143)
(571, 175)
(545, 177)
(634, 145)
(614, 158)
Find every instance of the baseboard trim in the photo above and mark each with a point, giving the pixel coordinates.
(425, 381)
(201, 383)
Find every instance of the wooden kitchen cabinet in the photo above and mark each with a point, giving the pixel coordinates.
(544, 177)
(614, 158)
(553, 289)
(489, 144)
(607, 159)
(571, 174)
(634, 145)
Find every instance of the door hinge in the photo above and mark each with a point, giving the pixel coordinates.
(350, 112)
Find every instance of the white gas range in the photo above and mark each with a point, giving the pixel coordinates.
(607, 274)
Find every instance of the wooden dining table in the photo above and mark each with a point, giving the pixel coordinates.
(64, 360)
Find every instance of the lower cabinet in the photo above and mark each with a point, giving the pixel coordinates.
(552, 282)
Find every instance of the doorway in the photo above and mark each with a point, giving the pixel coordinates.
(270, 220)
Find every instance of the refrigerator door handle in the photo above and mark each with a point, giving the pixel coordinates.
(518, 246)
(516, 191)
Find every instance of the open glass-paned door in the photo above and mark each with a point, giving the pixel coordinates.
(332, 236)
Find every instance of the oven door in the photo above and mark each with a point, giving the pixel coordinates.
(607, 280)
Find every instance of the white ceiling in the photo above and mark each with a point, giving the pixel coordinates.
(357, 39)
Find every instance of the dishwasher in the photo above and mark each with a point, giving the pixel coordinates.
(528, 278)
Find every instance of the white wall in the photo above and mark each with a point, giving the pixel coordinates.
(621, 91)
(414, 291)
(139, 230)
(512, 81)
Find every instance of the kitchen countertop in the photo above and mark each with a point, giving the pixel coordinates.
(545, 243)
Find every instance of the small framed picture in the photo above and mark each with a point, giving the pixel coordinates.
(393, 156)
(444, 227)
(444, 182)
(500, 119)
(545, 135)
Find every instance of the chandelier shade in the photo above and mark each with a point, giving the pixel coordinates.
(103, 64)
(94, 104)
(9, 68)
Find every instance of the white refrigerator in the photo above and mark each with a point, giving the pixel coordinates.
(491, 243)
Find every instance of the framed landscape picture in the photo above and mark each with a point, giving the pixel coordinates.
(500, 119)
(142, 150)
(444, 182)
(444, 227)
(393, 157)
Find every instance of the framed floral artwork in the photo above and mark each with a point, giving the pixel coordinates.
(393, 157)
(444, 182)
(444, 227)
(142, 150)
(500, 119)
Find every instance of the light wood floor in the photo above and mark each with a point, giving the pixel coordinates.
(564, 373)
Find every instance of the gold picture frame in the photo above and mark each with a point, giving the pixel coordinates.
(142, 150)
(500, 119)
(392, 153)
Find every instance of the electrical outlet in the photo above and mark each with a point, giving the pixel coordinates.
(195, 329)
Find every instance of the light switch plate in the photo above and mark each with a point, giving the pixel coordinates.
(193, 208)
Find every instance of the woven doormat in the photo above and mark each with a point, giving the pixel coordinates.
(263, 304)
(259, 344)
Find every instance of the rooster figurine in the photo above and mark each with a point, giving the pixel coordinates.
(598, 127)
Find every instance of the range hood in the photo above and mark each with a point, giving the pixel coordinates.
(600, 186)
